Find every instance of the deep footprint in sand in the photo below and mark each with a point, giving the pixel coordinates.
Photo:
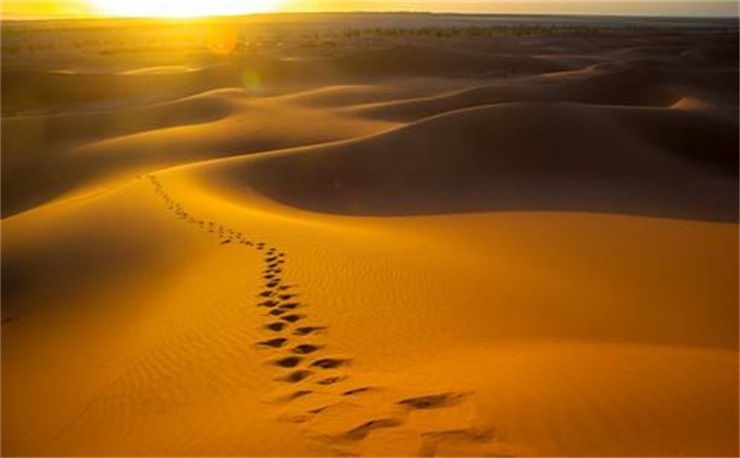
(289, 306)
(276, 326)
(273, 343)
(288, 361)
(295, 376)
(331, 363)
(305, 349)
(362, 431)
(308, 330)
(355, 391)
(331, 380)
(433, 401)
(292, 318)
(298, 394)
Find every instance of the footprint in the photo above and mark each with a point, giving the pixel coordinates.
(433, 401)
(308, 330)
(295, 376)
(286, 297)
(297, 394)
(330, 363)
(288, 361)
(305, 349)
(290, 306)
(269, 303)
(276, 326)
(292, 318)
(277, 312)
(361, 432)
(363, 389)
(273, 343)
(331, 380)
(318, 410)
(266, 294)
(273, 284)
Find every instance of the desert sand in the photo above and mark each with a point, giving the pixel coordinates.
(472, 241)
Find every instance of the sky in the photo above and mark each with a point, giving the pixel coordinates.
(189, 8)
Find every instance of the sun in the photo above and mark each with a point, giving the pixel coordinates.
(182, 8)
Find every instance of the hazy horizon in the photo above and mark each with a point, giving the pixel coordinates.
(49, 9)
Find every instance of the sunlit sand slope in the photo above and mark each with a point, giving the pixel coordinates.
(515, 333)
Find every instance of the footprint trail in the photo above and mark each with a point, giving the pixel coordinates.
(317, 393)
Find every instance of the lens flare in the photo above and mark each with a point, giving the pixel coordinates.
(223, 38)
(251, 80)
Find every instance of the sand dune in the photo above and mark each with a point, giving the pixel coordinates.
(90, 148)
(516, 156)
(608, 84)
(187, 331)
(440, 62)
(398, 245)
(338, 96)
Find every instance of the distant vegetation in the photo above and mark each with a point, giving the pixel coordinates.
(520, 30)
(136, 37)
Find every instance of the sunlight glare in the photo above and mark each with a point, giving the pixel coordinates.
(183, 8)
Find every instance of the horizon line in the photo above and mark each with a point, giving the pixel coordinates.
(735, 15)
